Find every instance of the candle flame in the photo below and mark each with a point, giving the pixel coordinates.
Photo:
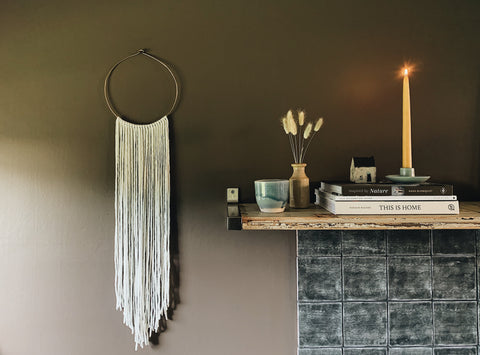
(407, 69)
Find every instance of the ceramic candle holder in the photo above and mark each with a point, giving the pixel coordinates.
(271, 195)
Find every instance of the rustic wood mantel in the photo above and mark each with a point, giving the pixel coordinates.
(248, 217)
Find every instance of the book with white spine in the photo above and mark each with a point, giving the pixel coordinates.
(389, 207)
(336, 197)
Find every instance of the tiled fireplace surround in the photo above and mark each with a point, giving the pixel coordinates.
(388, 292)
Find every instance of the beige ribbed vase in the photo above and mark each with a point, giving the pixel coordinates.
(299, 187)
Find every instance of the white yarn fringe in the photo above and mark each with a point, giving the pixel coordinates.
(142, 225)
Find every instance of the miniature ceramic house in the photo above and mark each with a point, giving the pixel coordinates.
(363, 170)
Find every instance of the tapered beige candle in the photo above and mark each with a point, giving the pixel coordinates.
(406, 131)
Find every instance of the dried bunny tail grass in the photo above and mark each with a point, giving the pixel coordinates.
(289, 115)
(285, 125)
(316, 128)
(318, 125)
(301, 117)
(299, 134)
(308, 130)
(292, 125)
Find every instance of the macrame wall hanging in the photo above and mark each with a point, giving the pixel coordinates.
(142, 217)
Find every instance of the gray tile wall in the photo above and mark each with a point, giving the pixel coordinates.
(408, 292)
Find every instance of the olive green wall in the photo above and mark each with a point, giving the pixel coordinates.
(242, 65)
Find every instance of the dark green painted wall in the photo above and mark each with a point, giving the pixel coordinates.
(242, 65)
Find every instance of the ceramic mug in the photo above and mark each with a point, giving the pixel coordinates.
(271, 194)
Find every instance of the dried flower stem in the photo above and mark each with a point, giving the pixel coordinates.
(300, 136)
(292, 145)
(318, 125)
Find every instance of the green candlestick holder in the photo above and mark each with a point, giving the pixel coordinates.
(407, 176)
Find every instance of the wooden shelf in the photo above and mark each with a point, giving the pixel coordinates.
(248, 217)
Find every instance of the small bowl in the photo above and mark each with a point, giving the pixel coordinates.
(271, 194)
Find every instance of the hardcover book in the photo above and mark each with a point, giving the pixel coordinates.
(332, 196)
(389, 207)
(386, 189)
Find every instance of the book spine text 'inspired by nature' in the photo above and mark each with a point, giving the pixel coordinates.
(387, 189)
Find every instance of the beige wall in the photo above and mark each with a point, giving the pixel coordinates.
(242, 64)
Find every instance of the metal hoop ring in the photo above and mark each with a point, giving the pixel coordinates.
(139, 52)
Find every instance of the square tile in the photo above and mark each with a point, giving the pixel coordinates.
(454, 241)
(364, 242)
(365, 351)
(454, 278)
(320, 351)
(411, 351)
(408, 242)
(409, 277)
(455, 351)
(320, 324)
(365, 278)
(455, 323)
(319, 278)
(319, 243)
(411, 323)
(365, 324)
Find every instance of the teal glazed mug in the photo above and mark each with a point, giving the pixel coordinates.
(271, 194)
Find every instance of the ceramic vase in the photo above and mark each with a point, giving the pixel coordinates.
(299, 187)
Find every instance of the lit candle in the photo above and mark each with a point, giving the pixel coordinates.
(406, 131)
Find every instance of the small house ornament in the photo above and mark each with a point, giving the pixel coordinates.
(363, 170)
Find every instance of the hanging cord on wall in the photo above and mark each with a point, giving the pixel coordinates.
(142, 219)
(139, 52)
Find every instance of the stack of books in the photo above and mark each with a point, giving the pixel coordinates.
(387, 198)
